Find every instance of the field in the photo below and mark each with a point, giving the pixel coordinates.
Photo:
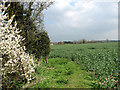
(81, 66)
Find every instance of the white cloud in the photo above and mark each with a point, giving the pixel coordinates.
(112, 34)
(71, 18)
(70, 14)
(106, 0)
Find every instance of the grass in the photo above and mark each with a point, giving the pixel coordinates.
(62, 73)
(79, 66)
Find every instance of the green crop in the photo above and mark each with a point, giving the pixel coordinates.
(100, 59)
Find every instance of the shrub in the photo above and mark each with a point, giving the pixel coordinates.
(15, 61)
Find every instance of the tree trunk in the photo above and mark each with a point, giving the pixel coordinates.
(40, 61)
(46, 60)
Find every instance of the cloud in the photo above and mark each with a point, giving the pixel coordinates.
(112, 34)
(77, 19)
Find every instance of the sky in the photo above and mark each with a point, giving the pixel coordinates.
(82, 19)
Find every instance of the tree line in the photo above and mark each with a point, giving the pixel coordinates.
(82, 41)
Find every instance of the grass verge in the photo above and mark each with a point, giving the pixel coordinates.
(62, 73)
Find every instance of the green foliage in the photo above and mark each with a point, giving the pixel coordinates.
(101, 60)
(16, 9)
(45, 44)
(37, 41)
(13, 80)
(24, 21)
(62, 73)
(40, 46)
(61, 80)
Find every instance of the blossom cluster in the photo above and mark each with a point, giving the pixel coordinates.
(10, 46)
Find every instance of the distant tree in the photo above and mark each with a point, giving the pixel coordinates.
(68, 42)
(80, 42)
(92, 41)
(60, 43)
(75, 42)
(107, 40)
(84, 41)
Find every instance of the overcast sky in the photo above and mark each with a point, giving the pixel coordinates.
(78, 19)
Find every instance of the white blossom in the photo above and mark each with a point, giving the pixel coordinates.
(10, 46)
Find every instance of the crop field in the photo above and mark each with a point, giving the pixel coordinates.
(100, 60)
